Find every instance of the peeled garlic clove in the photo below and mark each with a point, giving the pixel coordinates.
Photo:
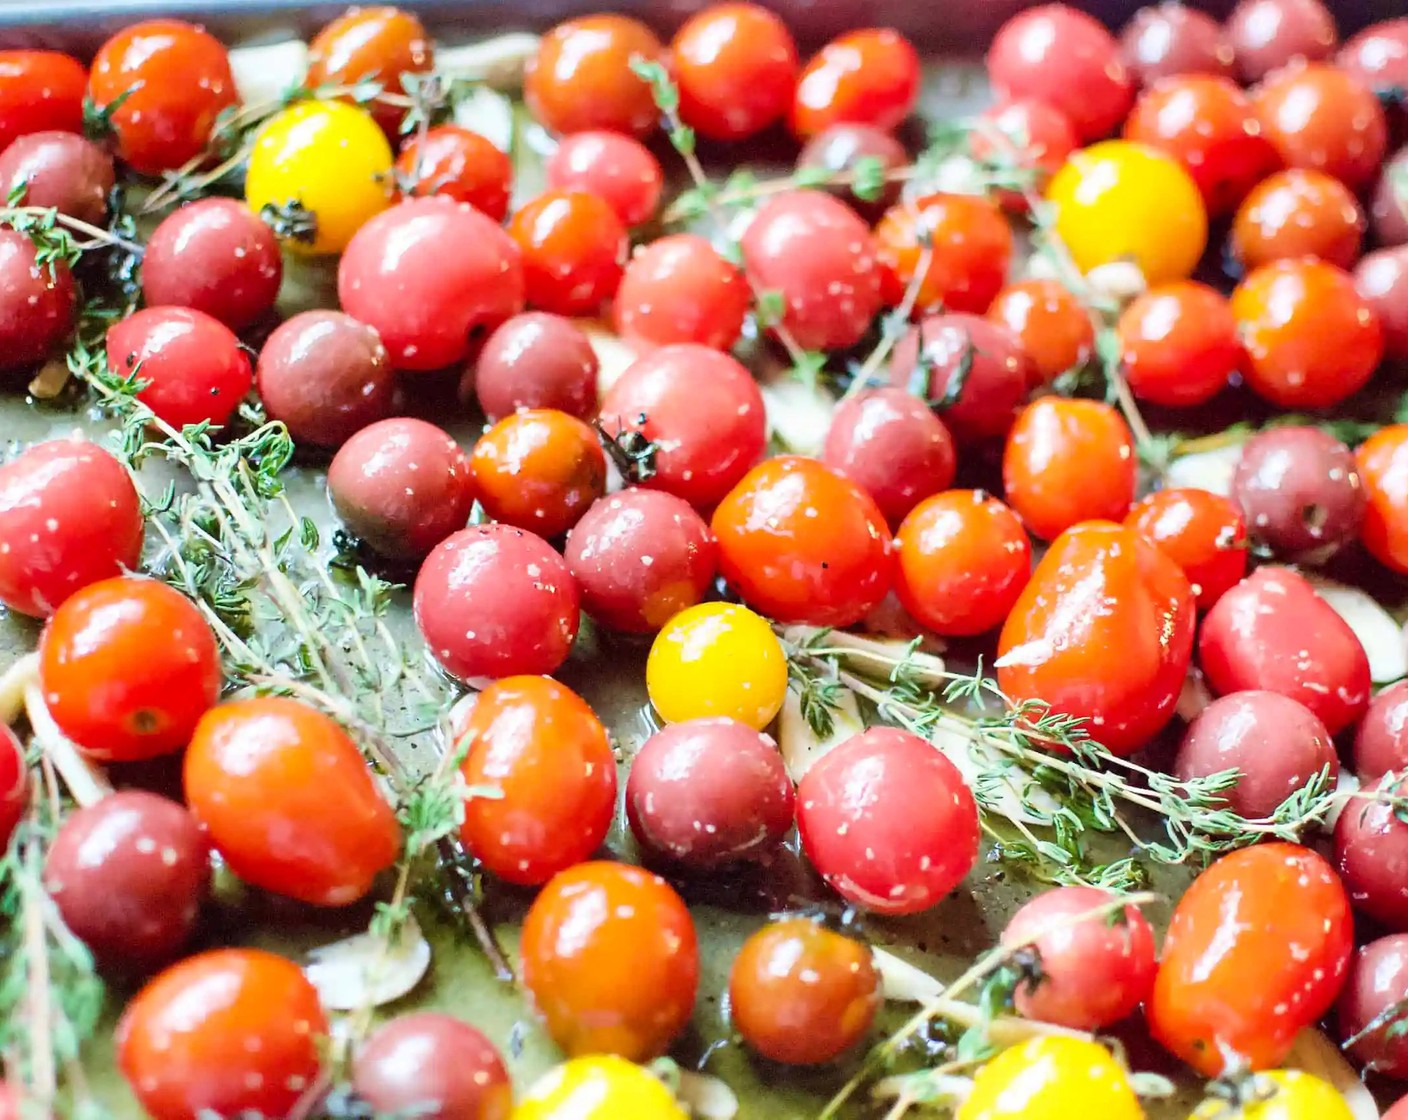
(1195, 695)
(13, 682)
(613, 354)
(903, 982)
(799, 415)
(801, 747)
(1012, 794)
(1378, 633)
(1118, 281)
(499, 61)
(706, 1096)
(266, 73)
(1346, 786)
(489, 113)
(365, 971)
(1206, 470)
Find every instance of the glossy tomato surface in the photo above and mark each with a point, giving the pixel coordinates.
(1052, 1078)
(376, 44)
(581, 77)
(736, 67)
(434, 1065)
(679, 288)
(40, 91)
(37, 304)
(1205, 534)
(599, 1087)
(717, 659)
(1383, 465)
(193, 366)
(460, 164)
(573, 247)
(866, 77)
(539, 469)
(617, 168)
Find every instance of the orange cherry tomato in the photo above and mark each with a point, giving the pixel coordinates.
(1383, 465)
(539, 469)
(581, 77)
(1203, 533)
(231, 1032)
(1318, 116)
(1068, 461)
(1298, 213)
(378, 44)
(971, 250)
(611, 960)
(460, 164)
(1051, 324)
(288, 800)
(863, 77)
(1103, 632)
(574, 251)
(736, 67)
(128, 666)
(1178, 344)
(40, 91)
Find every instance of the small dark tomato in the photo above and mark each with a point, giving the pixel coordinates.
(459, 164)
(194, 367)
(376, 44)
(1298, 213)
(1381, 278)
(736, 67)
(836, 151)
(969, 248)
(611, 961)
(539, 469)
(1277, 745)
(1203, 533)
(402, 486)
(574, 248)
(1051, 324)
(494, 601)
(964, 557)
(679, 288)
(1300, 491)
(37, 304)
(1371, 1005)
(1035, 135)
(641, 557)
(536, 360)
(1381, 743)
(581, 78)
(14, 786)
(1178, 344)
(869, 77)
(618, 168)
(1383, 468)
(59, 170)
(1371, 854)
(128, 875)
(1170, 38)
(1267, 34)
(40, 91)
(433, 1066)
(1378, 56)
(802, 995)
(1322, 118)
(1389, 206)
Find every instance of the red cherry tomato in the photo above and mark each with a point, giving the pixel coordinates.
(801, 543)
(1119, 665)
(40, 91)
(1257, 950)
(836, 152)
(679, 289)
(378, 44)
(1298, 213)
(1368, 1008)
(459, 164)
(537, 360)
(539, 469)
(223, 1033)
(37, 304)
(863, 77)
(433, 1064)
(1169, 38)
(14, 784)
(1383, 465)
(617, 168)
(1036, 134)
(574, 248)
(611, 960)
(1179, 344)
(969, 250)
(128, 666)
(581, 78)
(60, 170)
(1267, 35)
(1378, 57)
(736, 67)
(1319, 117)
(1381, 277)
(1049, 322)
(176, 81)
(1203, 533)
(1371, 855)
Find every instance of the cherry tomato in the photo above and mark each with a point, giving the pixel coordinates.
(1203, 533)
(888, 821)
(581, 78)
(193, 366)
(59, 170)
(1368, 1006)
(1298, 213)
(964, 557)
(539, 469)
(600, 1087)
(380, 44)
(1036, 134)
(40, 91)
(974, 373)
(1179, 344)
(434, 1065)
(494, 601)
(1311, 339)
(1371, 854)
(1257, 950)
(128, 666)
(1051, 324)
(1267, 35)
(862, 77)
(736, 67)
(1383, 466)
(574, 249)
(175, 80)
(1378, 57)
(429, 274)
(969, 251)
(1102, 632)
(1381, 277)
(536, 360)
(37, 303)
(611, 961)
(802, 995)
(14, 785)
(1319, 117)
(680, 289)
(1283, 1094)
(717, 659)
(69, 516)
(1118, 200)
(1066, 58)
(225, 1032)
(617, 168)
(838, 150)
(459, 164)
(1381, 743)
(1051, 1078)
(1170, 38)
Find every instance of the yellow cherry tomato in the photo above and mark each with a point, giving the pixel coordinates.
(717, 659)
(1281, 1094)
(1052, 1078)
(602, 1087)
(329, 157)
(1117, 201)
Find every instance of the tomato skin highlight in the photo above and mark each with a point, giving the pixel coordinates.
(1203, 533)
(376, 44)
(680, 289)
(40, 91)
(37, 303)
(867, 77)
(717, 659)
(574, 250)
(539, 469)
(460, 164)
(581, 78)
(736, 67)
(970, 249)
(1179, 344)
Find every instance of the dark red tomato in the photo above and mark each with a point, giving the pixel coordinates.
(494, 601)
(378, 44)
(1381, 743)
(1210, 126)
(701, 409)
(287, 799)
(574, 248)
(216, 256)
(1062, 56)
(964, 557)
(40, 91)
(1068, 461)
(1170, 38)
(543, 749)
(1050, 323)
(1382, 279)
(459, 164)
(1383, 466)
(1322, 118)
(128, 666)
(69, 516)
(223, 1033)
(1371, 854)
(888, 821)
(1267, 34)
(801, 543)
(1298, 213)
(1096, 968)
(539, 469)
(1272, 631)
(1179, 344)
(128, 875)
(819, 254)
(1389, 205)
(37, 304)
(537, 360)
(974, 373)
(1256, 951)
(641, 557)
(14, 784)
(428, 274)
(838, 149)
(680, 289)
(1378, 57)
(617, 168)
(1103, 632)
(434, 1066)
(802, 995)
(611, 961)
(1371, 1005)
(736, 67)
(176, 81)
(581, 78)
(194, 368)
(1311, 339)
(969, 248)
(1035, 134)
(402, 486)
(892, 444)
(862, 77)
(60, 170)
(1203, 533)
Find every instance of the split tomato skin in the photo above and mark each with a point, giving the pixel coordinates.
(1383, 467)
(1103, 632)
(1258, 948)
(1205, 534)
(869, 77)
(40, 91)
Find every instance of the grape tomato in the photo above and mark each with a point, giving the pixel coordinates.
(736, 67)
(581, 78)
(1205, 534)
(376, 44)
